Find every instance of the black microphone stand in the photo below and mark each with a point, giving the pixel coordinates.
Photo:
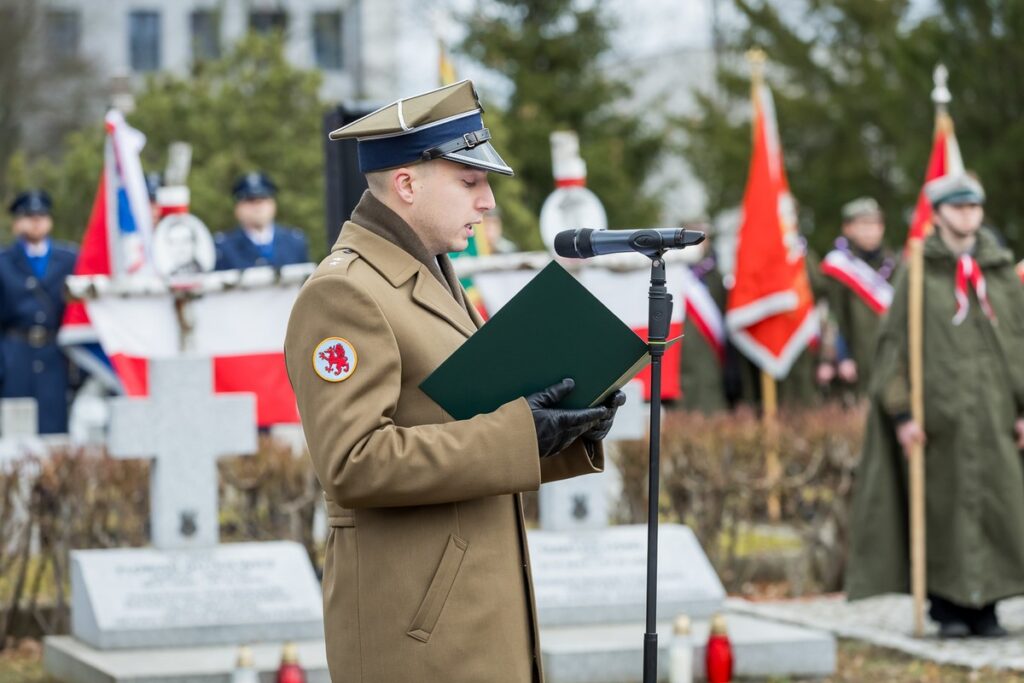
(659, 315)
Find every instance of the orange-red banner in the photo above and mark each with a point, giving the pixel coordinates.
(770, 313)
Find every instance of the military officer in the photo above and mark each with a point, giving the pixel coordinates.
(32, 273)
(858, 273)
(426, 576)
(973, 429)
(258, 240)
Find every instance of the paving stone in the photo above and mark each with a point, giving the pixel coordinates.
(887, 621)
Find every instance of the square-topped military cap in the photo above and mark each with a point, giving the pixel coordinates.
(859, 208)
(446, 123)
(954, 188)
(253, 185)
(31, 203)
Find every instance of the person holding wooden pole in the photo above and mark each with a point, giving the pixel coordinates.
(971, 435)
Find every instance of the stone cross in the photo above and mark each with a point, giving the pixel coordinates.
(184, 428)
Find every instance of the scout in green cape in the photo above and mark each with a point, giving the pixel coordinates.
(973, 428)
(857, 271)
(704, 348)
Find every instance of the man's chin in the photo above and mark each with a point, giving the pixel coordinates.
(458, 246)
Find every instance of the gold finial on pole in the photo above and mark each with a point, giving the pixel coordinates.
(756, 58)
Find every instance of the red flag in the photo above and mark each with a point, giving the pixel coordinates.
(770, 311)
(945, 159)
(77, 336)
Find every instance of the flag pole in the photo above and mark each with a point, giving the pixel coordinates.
(918, 577)
(915, 337)
(773, 468)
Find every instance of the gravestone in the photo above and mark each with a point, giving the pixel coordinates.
(187, 591)
(230, 594)
(585, 502)
(600, 577)
(590, 589)
(20, 445)
(19, 429)
(184, 427)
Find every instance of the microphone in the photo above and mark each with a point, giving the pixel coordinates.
(585, 243)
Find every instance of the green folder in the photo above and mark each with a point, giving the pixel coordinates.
(552, 329)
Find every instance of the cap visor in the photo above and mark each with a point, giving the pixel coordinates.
(482, 156)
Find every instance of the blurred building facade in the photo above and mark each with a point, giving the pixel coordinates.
(373, 51)
(354, 43)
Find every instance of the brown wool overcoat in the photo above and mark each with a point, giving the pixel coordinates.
(426, 575)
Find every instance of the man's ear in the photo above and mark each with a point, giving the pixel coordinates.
(402, 183)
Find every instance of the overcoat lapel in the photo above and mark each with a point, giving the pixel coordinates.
(429, 294)
(398, 266)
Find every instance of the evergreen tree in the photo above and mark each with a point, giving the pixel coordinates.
(851, 81)
(551, 52)
(248, 110)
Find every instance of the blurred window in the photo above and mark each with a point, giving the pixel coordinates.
(268, 21)
(63, 34)
(205, 35)
(327, 44)
(144, 40)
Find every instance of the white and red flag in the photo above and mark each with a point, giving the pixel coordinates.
(770, 311)
(945, 159)
(240, 329)
(700, 307)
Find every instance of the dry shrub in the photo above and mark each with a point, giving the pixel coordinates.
(81, 498)
(713, 479)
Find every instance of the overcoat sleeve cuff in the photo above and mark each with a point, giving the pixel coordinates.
(573, 461)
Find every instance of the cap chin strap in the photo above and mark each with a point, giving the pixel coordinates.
(465, 141)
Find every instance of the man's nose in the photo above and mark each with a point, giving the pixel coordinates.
(486, 201)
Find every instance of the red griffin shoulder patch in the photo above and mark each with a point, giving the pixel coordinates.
(334, 359)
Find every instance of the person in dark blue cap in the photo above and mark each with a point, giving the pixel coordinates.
(425, 507)
(32, 273)
(258, 240)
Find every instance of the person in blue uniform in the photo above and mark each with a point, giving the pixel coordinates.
(257, 240)
(32, 273)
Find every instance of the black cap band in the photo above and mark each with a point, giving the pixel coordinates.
(466, 141)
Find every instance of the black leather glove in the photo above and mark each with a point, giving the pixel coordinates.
(603, 426)
(559, 427)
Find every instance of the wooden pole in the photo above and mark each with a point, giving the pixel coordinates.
(915, 458)
(773, 468)
(918, 574)
(915, 352)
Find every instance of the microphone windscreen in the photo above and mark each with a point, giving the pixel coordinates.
(565, 244)
(692, 237)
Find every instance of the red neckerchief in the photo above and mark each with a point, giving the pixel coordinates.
(967, 271)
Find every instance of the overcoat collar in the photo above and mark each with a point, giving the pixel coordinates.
(20, 259)
(398, 266)
(987, 251)
(251, 249)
